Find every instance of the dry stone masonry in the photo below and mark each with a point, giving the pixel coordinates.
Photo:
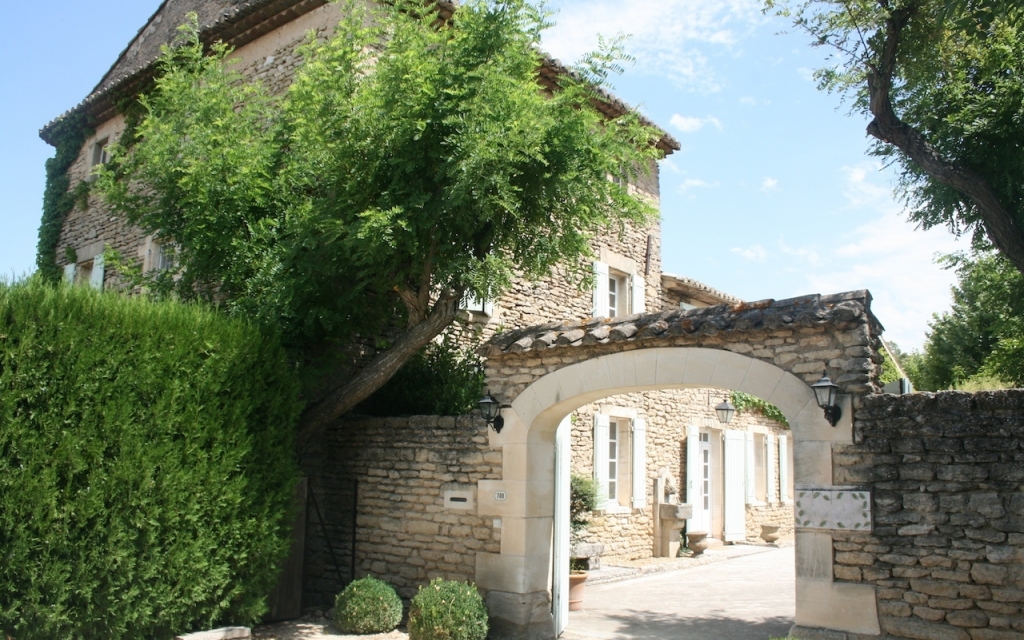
(947, 550)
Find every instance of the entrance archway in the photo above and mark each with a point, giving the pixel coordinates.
(771, 350)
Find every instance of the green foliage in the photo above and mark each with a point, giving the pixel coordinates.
(406, 160)
(959, 80)
(146, 465)
(443, 379)
(58, 198)
(890, 372)
(368, 605)
(447, 610)
(982, 336)
(746, 402)
(582, 502)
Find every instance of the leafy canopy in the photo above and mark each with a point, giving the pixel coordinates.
(406, 160)
(982, 336)
(954, 73)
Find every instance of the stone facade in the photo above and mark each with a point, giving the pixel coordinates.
(947, 550)
(403, 470)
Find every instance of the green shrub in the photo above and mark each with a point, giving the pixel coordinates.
(146, 466)
(448, 610)
(368, 605)
(442, 379)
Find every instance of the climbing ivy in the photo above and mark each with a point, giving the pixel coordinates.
(58, 198)
(744, 402)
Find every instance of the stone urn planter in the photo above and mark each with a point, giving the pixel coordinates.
(770, 533)
(697, 541)
(577, 580)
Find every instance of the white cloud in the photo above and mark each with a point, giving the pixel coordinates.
(808, 254)
(690, 183)
(888, 256)
(756, 253)
(690, 124)
(769, 184)
(670, 38)
(806, 73)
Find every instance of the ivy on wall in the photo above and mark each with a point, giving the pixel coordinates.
(58, 198)
(744, 402)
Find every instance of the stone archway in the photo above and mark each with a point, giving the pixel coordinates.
(772, 350)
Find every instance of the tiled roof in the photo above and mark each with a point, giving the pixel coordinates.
(697, 290)
(768, 315)
(237, 22)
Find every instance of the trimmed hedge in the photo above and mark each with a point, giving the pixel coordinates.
(447, 610)
(146, 465)
(367, 605)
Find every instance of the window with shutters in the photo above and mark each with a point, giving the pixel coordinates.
(618, 294)
(620, 463)
(477, 310)
(760, 476)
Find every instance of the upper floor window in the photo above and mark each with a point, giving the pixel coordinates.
(98, 156)
(477, 309)
(616, 292)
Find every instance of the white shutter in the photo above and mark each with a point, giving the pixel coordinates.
(639, 463)
(693, 476)
(600, 289)
(69, 273)
(636, 286)
(96, 279)
(735, 509)
(748, 439)
(488, 308)
(769, 466)
(601, 424)
(783, 469)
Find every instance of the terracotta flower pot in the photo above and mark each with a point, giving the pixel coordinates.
(697, 542)
(576, 584)
(770, 533)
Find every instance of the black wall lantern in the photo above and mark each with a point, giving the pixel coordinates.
(826, 393)
(725, 410)
(491, 409)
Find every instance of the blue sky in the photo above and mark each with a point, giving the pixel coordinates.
(771, 196)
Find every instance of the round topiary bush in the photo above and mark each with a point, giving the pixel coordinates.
(448, 610)
(368, 605)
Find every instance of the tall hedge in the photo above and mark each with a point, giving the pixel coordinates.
(146, 465)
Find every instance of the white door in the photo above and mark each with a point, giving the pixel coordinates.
(704, 499)
(560, 534)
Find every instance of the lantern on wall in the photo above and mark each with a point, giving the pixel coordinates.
(491, 410)
(826, 393)
(725, 411)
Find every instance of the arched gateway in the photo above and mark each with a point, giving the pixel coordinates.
(770, 349)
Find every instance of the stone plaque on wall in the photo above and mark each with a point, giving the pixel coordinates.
(842, 508)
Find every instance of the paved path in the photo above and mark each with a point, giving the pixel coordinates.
(745, 598)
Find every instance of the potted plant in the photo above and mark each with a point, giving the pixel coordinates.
(582, 502)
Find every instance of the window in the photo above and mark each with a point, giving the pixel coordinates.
(620, 463)
(99, 156)
(613, 461)
(160, 258)
(618, 291)
(478, 310)
(760, 476)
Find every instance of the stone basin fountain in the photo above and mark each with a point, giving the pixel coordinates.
(670, 517)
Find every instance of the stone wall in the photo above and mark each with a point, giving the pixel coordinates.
(405, 534)
(947, 550)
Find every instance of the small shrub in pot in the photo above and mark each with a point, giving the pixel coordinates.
(448, 610)
(368, 605)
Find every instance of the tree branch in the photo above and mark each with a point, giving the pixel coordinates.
(886, 126)
(320, 414)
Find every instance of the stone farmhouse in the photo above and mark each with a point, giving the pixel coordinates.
(910, 518)
(624, 442)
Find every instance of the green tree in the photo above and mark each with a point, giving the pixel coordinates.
(943, 84)
(409, 163)
(982, 336)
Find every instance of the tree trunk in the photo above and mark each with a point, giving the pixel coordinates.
(1000, 226)
(318, 415)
